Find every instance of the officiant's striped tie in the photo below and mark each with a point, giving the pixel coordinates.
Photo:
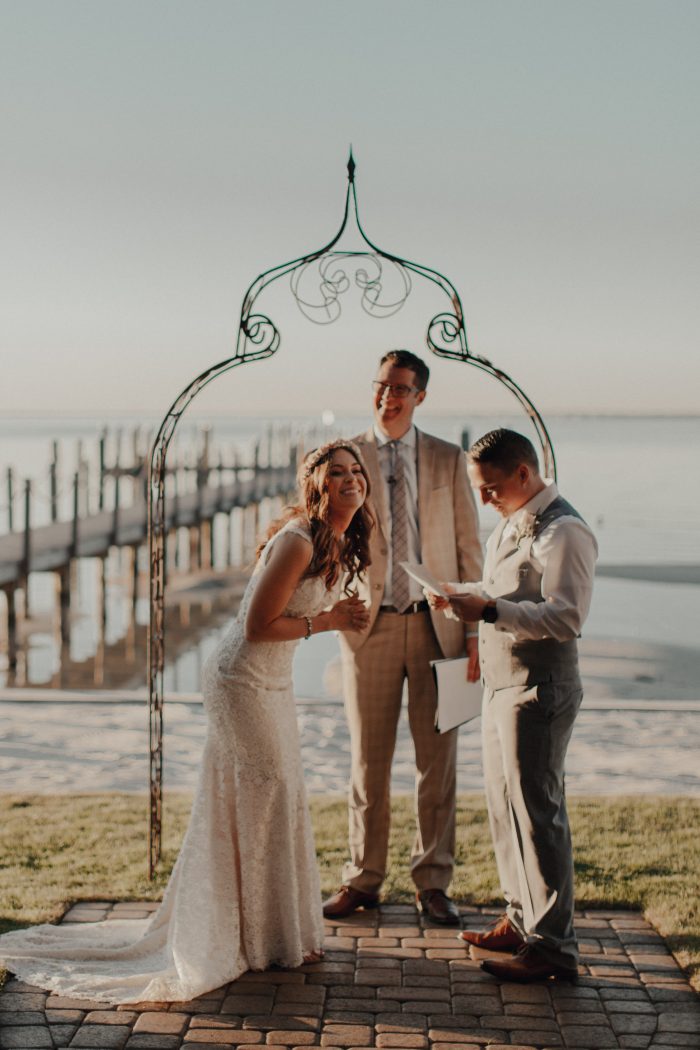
(399, 530)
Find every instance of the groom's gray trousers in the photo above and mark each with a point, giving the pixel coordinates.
(526, 731)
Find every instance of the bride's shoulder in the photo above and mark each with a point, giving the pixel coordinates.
(295, 527)
(298, 527)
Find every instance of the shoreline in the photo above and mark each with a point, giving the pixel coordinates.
(616, 674)
(654, 572)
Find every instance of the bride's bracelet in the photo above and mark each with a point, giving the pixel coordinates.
(309, 628)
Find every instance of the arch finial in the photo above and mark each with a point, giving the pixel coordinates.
(351, 167)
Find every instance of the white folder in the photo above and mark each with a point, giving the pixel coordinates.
(458, 700)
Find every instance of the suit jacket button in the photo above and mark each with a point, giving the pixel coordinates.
(384, 550)
(377, 586)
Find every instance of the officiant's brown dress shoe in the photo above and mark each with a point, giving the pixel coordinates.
(528, 964)
(346, 901)
(437, 906)
(500, 936)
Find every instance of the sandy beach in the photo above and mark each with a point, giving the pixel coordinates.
(638, 732)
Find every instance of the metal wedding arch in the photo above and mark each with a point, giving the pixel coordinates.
(317, 282)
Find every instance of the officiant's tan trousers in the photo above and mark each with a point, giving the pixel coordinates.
(398, 649)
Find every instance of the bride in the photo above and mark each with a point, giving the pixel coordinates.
(244, 892)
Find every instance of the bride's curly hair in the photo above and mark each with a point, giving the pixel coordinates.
(331, 555)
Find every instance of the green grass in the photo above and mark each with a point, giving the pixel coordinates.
(637, 853)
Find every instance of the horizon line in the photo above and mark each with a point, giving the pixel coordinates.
(116, 414)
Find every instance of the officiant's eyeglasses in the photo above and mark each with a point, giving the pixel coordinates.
(395, 389)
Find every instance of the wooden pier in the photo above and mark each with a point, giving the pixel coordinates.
(220, 488)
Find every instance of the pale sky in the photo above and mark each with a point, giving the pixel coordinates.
(157, 156)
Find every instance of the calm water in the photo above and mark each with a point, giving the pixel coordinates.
(632, 478)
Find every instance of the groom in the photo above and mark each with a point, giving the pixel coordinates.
(425, 513)
(532, 603)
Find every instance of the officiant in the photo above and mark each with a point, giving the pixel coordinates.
(425, 512)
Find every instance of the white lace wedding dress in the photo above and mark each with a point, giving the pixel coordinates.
(244, 892)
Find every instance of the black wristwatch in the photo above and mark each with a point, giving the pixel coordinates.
(490, 613)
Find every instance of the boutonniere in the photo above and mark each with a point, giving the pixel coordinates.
(525, 530)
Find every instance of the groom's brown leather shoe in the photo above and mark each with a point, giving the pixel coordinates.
(528, 964)
(437, 906)
(346, 901)
(500, 936)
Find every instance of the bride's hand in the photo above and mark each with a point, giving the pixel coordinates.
(349, 614)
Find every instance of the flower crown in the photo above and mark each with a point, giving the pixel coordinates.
(317, 455)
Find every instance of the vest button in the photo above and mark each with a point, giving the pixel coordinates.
(384, 551)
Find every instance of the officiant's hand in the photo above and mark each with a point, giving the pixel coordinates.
(349, 614)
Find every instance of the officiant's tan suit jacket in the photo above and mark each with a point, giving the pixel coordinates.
(398, 648)
(449, 530)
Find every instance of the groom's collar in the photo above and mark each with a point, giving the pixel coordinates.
(539, 502)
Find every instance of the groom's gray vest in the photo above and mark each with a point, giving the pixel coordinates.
(511, 574)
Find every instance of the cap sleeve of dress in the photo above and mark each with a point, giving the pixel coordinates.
(297, 526)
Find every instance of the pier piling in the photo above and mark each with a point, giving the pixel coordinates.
(12, 647)
(27, 545)
(10, 481)
(64, 578)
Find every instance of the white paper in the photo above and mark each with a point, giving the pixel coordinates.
(458, 700)
(424, 577)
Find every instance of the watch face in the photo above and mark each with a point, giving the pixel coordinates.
(490, 614)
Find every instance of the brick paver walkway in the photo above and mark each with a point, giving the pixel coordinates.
(390, 981)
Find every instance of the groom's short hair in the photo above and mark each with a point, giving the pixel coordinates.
(406, 359)
(505, 449)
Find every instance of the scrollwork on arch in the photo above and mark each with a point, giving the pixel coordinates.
(259, 330)
(445, 335)
(318, 284)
